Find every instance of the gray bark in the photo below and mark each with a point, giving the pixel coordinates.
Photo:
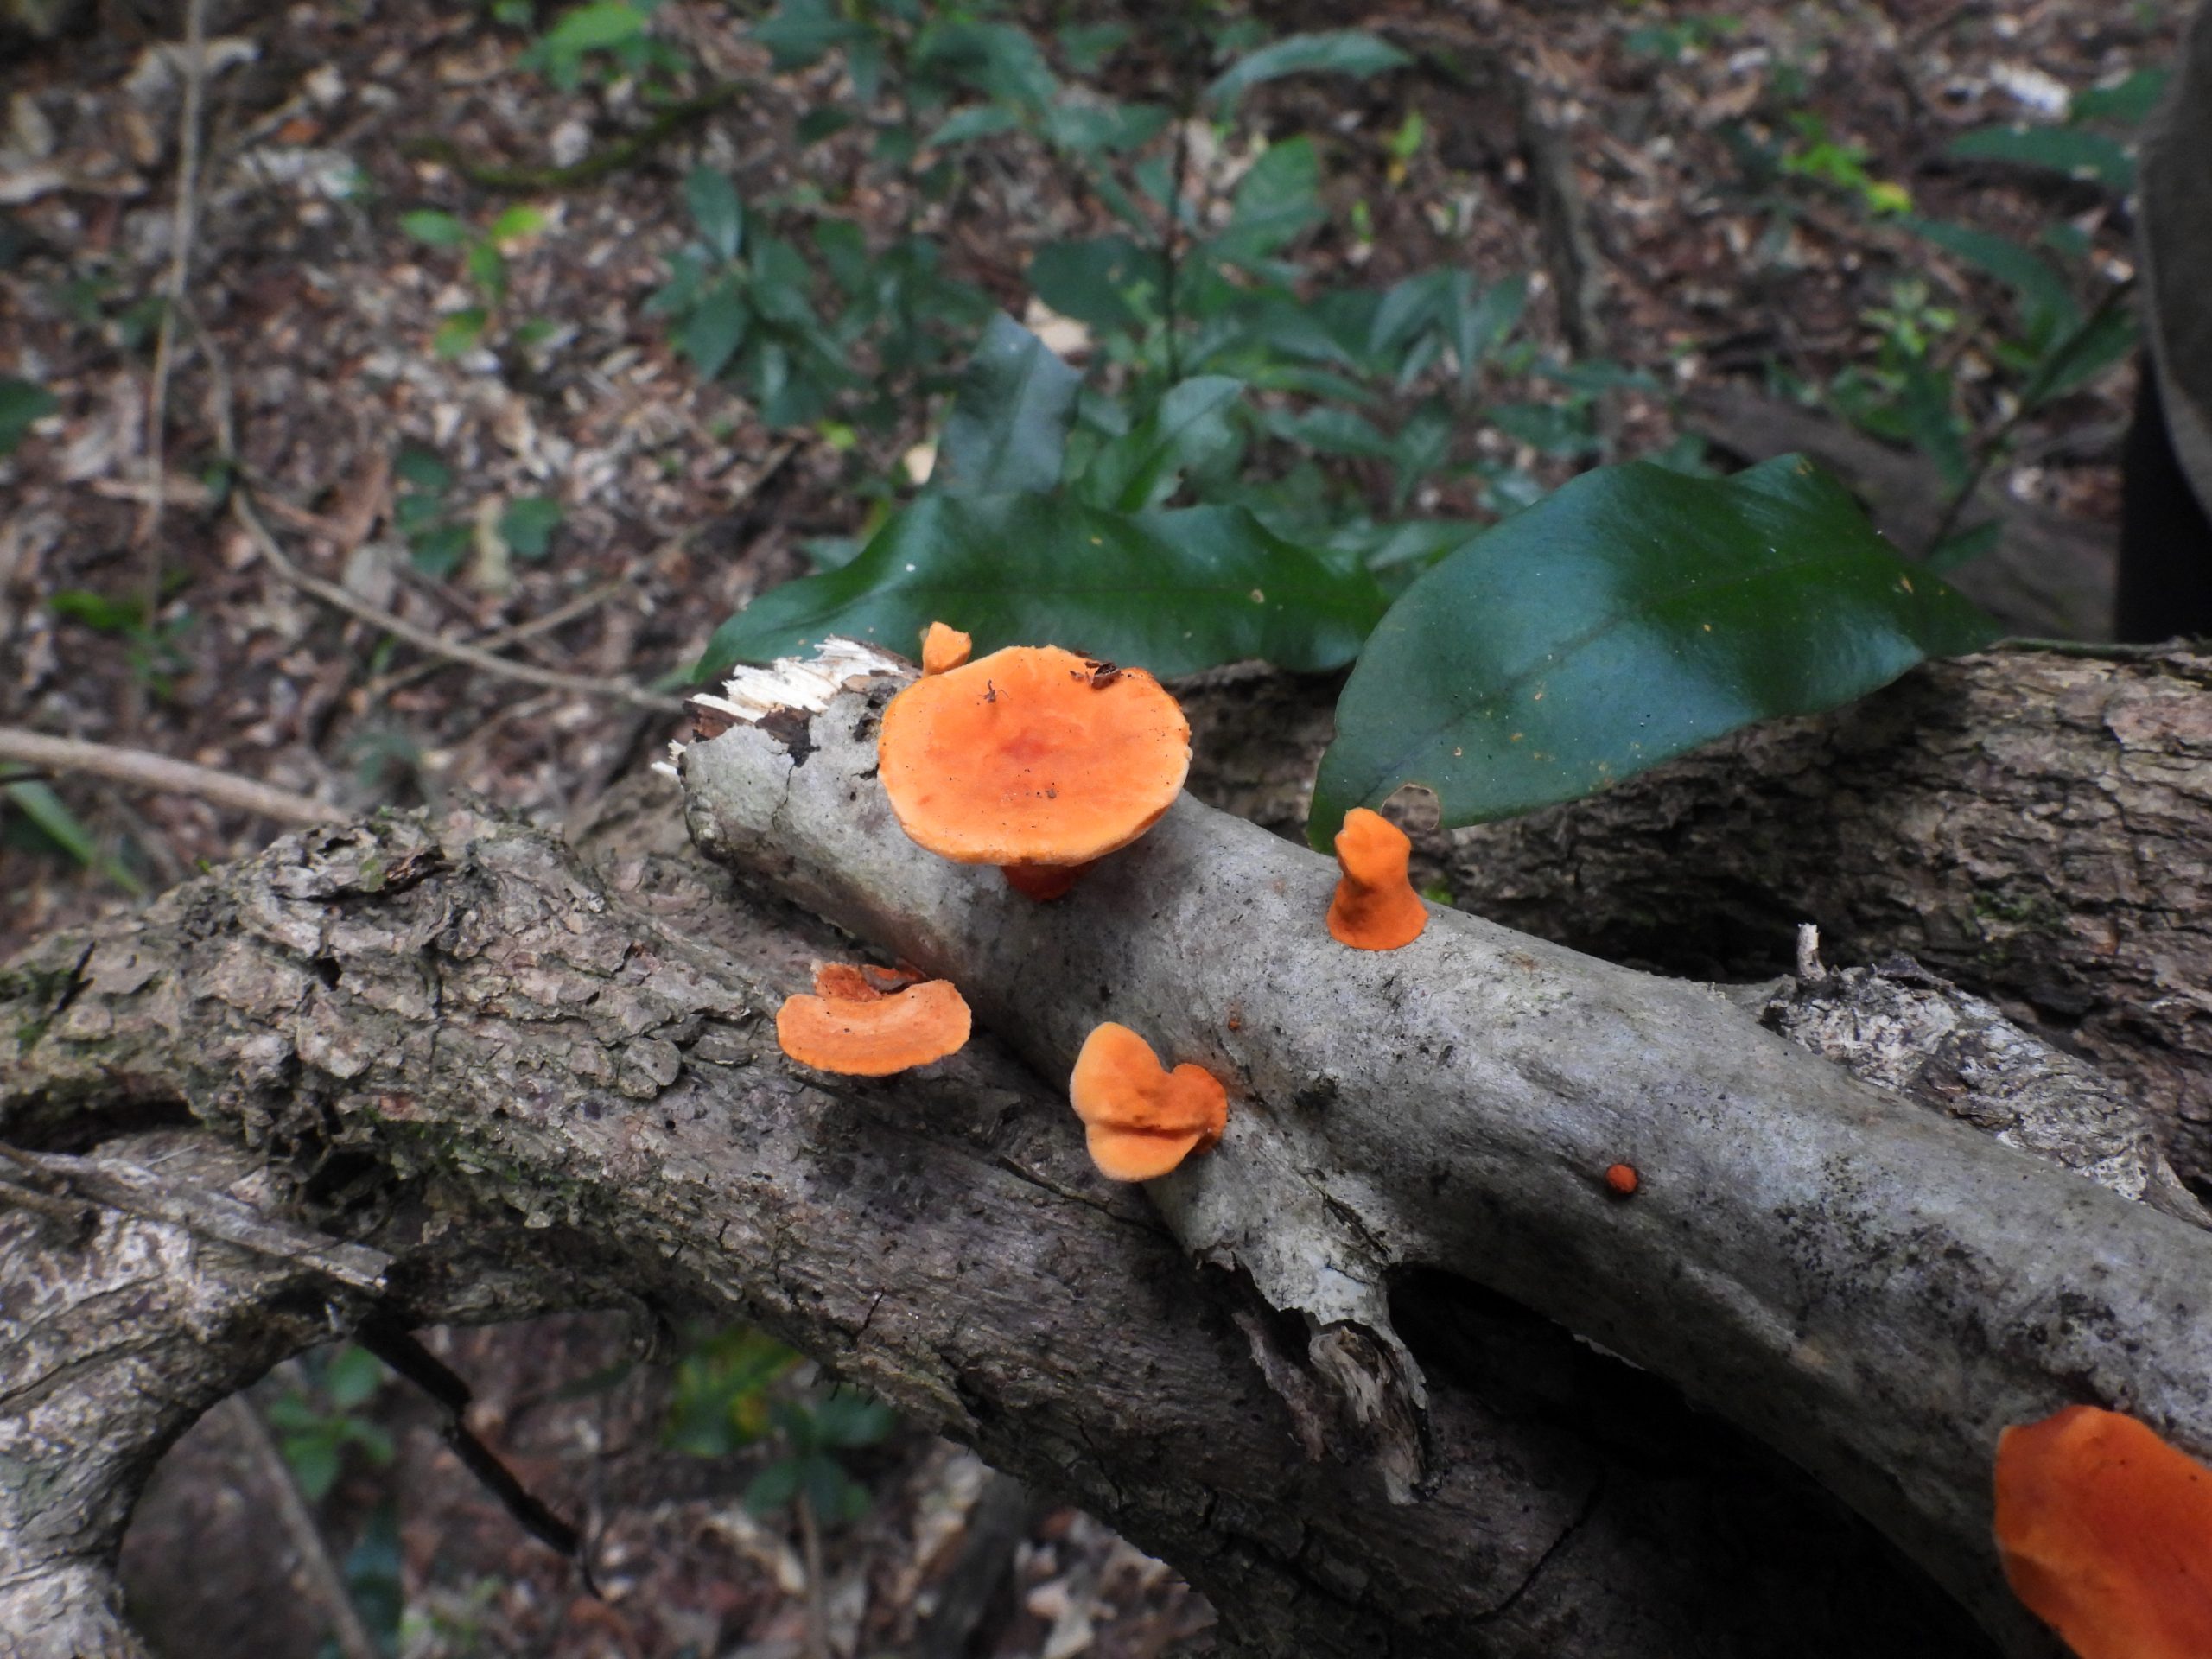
(1873, 1291)
(528, 1080)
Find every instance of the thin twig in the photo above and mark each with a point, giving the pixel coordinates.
(457, 651)
(74, 1216)
(818, 1597)
(183, 224)
(582, 604)
(328, 1583)
(397, 1348)
(159, 772)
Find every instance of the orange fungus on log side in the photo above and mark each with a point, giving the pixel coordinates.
(2106, 1530)
(1141, 1121)
(943, 648)
(1375, 908)
(1622, 1179)
(873, 1038)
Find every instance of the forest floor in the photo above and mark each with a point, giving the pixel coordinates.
(1728, 171)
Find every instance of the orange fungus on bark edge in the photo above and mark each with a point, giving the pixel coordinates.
(1375, 908)
(875, 1036)
(1139, 1120)
(1622, 1180)
(2105, 1531)
(943, 648)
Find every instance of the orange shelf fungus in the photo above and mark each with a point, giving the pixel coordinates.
(1375, 908)
(2105, 1531)
(1141, 1121)
(943, 648)
(1034, 759)
(857, 1027)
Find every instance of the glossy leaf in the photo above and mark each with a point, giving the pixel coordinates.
(1632, 616)
(1343, 52)
(1097, 282)
(2070, 150)
(1173, 592)
(1191, 430)
(1008, 427)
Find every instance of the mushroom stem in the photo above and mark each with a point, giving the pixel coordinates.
(1041, 881)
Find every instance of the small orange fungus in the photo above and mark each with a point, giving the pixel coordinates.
(1375, 908)
(2106, 1534)
(1622, 1180)
(875, 1035)
(1033, 758)
(1139, 1120)
(943, 648)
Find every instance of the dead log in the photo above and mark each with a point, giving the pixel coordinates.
(1873, 1292)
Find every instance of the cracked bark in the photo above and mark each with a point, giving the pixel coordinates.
(532, 1080)
(2029, 824)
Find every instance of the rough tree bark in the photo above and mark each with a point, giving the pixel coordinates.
(527, 1079)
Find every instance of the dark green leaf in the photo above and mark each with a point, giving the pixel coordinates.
(313, 1458)
(2126, 101)
(527, 524)
(998, 60)
(1008, 427)
(1093, 282)
(1173, 592)
(97, 611)
(801, 31)
(716, 210)
(1552, 429)
(1481, 318)
(716, 328)
(1094, 126)
(1935, 430)
(355, 1373)
(54, 819)
(848, 1418)
(439, 230)
(22, 402)
(1963, 547)
(440, 552)
(1189, 431)
(1331, 430)
(487, 268)
(823, 122)
(977, 121)
(423, 469)
(2100, 342)
(458, 331)
(2045, 301)
(1344, 51)
(1276, 202)
(1089, 45)
(1630, 617)
(592, 27)
(774, 1486)
(2070, 150)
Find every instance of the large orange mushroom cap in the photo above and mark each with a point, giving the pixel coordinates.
(2105, 1531)
(1141, 1121)
(1375, 908)
(1032, 755)
(875, 1037)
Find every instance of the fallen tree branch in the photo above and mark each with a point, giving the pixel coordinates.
(160, 773)
(1872, 1291)
(536, 1084)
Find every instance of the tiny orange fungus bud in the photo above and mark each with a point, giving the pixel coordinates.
(1375, 908)
(1622, 1179)
(943, 648)
(1141, 1121)
(2105, 1531)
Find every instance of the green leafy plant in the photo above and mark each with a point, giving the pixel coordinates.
(484, 258)
(719, 1402)
(23, 404)
(156, 645)
(440, 533)
(813, 1435)
(319, 1421)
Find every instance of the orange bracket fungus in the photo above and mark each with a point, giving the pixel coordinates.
(2106, 1530)
(943, 648)
(853, 1025)
(1375, 908)
(1034, 759)
(1141, 1121)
